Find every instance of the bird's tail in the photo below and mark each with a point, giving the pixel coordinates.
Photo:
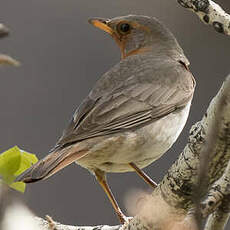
(51, 164)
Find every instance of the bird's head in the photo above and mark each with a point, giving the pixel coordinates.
(136, 34)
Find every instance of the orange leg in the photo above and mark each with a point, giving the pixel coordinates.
(101, 178)
(144, 176)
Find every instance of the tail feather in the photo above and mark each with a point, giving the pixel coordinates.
(51, 164)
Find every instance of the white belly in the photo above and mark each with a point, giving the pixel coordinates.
(142, 147)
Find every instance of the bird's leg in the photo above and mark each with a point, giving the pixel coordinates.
(101, 178)
(144, 176)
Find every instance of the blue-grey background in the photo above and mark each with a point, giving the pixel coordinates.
(62, 56)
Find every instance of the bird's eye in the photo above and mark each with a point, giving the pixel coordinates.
(124, 28)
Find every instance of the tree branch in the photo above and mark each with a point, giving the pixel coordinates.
(210, 13)
(4, 31)
(5, 59)
(217, 203)
(46, 225)
(182, 176)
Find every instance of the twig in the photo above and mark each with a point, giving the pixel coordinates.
(7, 60)
(44, 225)
(210, 13)
(4, 31)
(51, 223)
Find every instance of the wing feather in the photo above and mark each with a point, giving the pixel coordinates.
(130, 102)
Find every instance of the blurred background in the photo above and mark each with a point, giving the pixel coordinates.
(62, 57)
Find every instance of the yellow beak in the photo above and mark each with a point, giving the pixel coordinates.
(102, 24)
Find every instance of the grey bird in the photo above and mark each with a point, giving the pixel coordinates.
(133, 114)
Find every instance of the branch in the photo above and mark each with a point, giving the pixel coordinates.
(4, 31)
(210, 13)
(183, 175)
(217, 203)
(218, 191)
(49, 224)
(5, 59)
(205, 158)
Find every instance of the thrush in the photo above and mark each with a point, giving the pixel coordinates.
(133, 114)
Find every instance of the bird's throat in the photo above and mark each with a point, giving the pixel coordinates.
(125, 54)
(142, 50)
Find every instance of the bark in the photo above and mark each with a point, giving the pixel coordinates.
(210, 13)
(219, 218)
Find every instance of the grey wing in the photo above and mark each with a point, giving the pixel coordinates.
(134, 103)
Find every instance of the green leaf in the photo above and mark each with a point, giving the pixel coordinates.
(9, 163)
(19, 186)
(12, 163)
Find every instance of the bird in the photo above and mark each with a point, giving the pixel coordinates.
(133, 114)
